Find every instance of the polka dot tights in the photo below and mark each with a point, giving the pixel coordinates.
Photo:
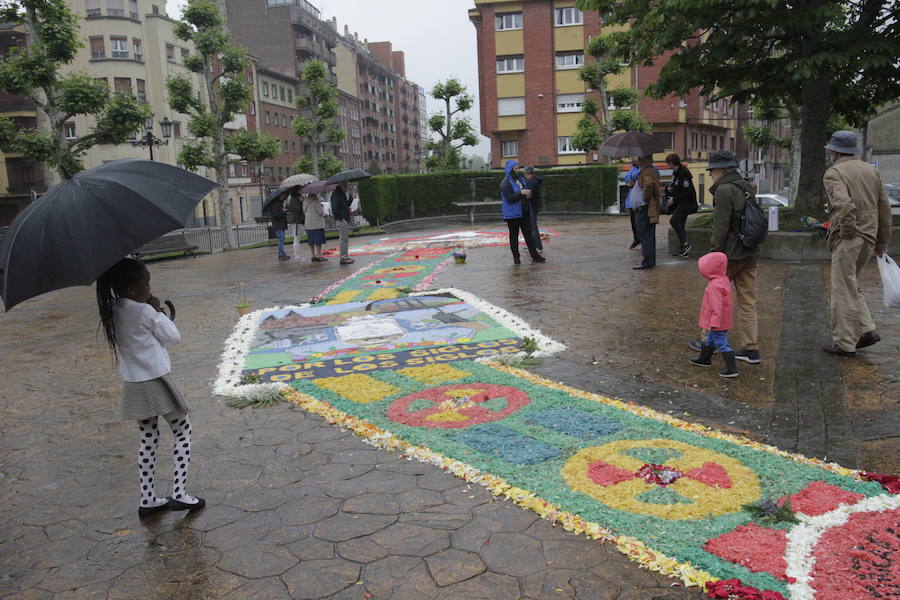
(181, 456)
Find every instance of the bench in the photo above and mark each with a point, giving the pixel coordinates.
(470, 206)
(170, 242)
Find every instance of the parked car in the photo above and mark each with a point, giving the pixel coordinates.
(893, 193)
(767, 200)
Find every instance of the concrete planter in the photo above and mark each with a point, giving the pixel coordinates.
(779, 245)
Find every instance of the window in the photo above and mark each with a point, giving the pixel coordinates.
(141, 86)
(92, 8)
(133, 9)
(564, 144)
(569, 61)
(176, 129)
(666, 138)
(232, 171)
(69, 130)
(290, 93)
(294, 146)
(243, 170)
(266, 89)
(682, 103)
(119, 47)
(510, 106)
(170, 53)
(267, 118)
(721, 142)
(715, 141)
(185, 53)
(98, 48)
(569, 102)
(138, 49)
(115, 8)
(693, 140)
(568, 16)
(122, 84)
(284, 120)
(703, 141)
(510, 64)
(275, 118)
(509, 21)
(251, 108)
(509, 148)
(281, 92)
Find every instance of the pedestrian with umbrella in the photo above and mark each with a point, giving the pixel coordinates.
(79, 232)
(341, 200)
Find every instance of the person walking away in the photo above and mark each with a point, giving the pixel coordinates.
(314, 222)
(730, 192)
(514, 203)
(715, 313)
(682, 201)
(645, 201)
(340, 210)
(860, 226)
(630, 179)
(295, 217)
(534, 183)
(279, 224)
(137, 333)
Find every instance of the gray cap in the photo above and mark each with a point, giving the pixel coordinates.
(842, 141)
(721, 159)
(529, 169)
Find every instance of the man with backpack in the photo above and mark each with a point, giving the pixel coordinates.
(738, 236)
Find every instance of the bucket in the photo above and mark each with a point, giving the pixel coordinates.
(459, 259)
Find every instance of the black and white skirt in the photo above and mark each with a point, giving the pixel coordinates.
(146, 399)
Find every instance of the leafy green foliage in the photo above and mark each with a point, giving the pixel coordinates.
(385, 198)
(823, 56)
(318, 125)
(444, 154)
(768, 511)
(34, 72)
(329, 164)
(250, 145)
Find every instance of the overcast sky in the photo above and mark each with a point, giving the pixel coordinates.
(435, 35)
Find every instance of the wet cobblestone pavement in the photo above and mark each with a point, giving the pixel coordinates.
(300, 509)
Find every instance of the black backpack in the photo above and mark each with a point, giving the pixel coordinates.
(754, 222)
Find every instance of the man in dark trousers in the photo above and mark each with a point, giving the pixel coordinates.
(534, 183)
(340, 210)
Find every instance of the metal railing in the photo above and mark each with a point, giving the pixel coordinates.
(212, 239)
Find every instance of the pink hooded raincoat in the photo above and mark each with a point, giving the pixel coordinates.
(716, 311)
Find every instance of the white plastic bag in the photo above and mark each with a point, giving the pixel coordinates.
(890, 279)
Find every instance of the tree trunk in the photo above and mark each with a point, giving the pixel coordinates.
(604, 107)
(795, 158)
(815, 110)
(222, 180)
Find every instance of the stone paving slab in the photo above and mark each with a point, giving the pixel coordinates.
(300, 509)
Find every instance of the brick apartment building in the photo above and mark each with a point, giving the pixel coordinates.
(529, 56)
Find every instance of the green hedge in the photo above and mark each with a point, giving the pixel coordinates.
(385, 198)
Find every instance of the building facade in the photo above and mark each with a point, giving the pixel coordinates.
(534, 122)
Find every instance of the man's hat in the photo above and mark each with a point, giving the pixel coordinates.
(842, 141)
(721, 159)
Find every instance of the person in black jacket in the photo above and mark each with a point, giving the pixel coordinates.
(682, 201)
(279, 224)
(340, 210)
(533, 183)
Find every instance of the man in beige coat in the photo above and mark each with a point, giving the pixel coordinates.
(860, 217)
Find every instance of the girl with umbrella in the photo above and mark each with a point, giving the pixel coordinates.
(138, 332)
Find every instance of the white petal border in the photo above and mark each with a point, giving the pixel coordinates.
(802, 540)
(228, 382)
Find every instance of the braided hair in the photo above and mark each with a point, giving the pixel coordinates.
(110, 287)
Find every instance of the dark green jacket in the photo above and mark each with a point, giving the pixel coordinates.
(728, 202)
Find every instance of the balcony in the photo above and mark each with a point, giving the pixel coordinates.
(24, 176)
(16, 103)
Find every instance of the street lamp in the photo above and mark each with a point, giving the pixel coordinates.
(260, 170)
(151, 141)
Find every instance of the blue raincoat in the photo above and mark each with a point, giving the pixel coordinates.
(511, 193)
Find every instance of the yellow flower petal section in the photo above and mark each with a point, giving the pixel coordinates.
(345, 297)
(447, 415)
(357, 387)
(433, 374)
(385, 293)
(705, 500)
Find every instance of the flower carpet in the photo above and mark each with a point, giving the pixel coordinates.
(414, 370)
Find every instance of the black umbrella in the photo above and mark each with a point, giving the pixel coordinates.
(351, 175)
(87, 223)
(632, 143)
(277, 195)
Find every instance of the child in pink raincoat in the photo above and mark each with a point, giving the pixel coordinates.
(715, 313)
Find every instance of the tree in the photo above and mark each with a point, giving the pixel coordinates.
(33, 71)
(454, 133)
(823, 56)
(319, 128)
(222, 66)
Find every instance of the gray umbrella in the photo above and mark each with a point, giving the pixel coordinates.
(317, 187)
(632, 143)
(300, 179)
(84, 225)
(351, 175)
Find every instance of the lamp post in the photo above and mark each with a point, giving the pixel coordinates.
(260, 170)
(151, 141)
